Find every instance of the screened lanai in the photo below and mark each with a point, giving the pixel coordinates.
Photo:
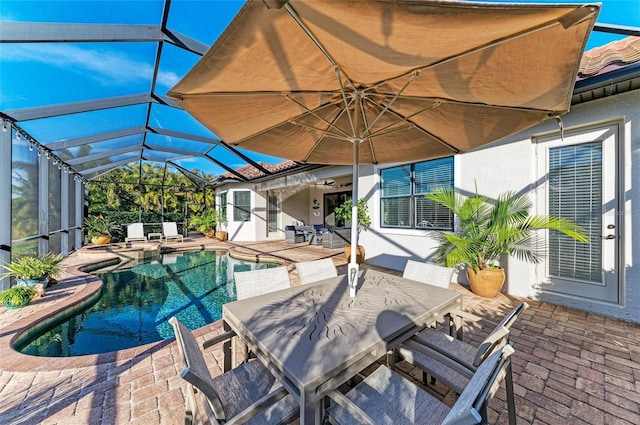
(83, 101)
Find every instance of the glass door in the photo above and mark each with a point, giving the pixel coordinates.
(579, 181)
(331, 201)
(272, 215)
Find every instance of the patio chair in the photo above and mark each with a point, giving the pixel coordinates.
(258, 282)
(252, 283)
(454, 361)
(170, 231)
(385, 397)
(428, 272)
(291, 235)
(247, 393)
(312, 271)
(135, 232)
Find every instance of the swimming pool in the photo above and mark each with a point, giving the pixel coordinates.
(137, 301)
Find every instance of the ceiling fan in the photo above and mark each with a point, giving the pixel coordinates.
(328, 183)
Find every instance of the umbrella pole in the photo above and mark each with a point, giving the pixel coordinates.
(353, 267)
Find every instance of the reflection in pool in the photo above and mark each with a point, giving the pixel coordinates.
(136, 304)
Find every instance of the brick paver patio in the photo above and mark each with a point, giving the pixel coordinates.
(569, 367)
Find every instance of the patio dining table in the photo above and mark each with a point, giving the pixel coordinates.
(315, 337)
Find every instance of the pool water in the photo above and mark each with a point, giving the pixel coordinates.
(137, 302)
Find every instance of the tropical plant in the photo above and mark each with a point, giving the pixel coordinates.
(34, 267)
(221, 220)
(344, 211)
(485, 230)
(98, 225)
(206, 221)
(17, 296)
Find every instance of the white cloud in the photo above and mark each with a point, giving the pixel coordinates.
(108, 67)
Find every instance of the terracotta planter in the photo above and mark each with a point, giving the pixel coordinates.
(486, 283)
(359, 253)
(101, 240)
(222, 236)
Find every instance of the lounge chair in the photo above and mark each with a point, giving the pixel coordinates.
(385, 397)
(257, 282)
(170, 231)
(428, 272)
(312, 271)
(454, 361)
(248, 392)
(135, 232)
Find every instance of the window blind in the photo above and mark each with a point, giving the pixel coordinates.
(575, 192)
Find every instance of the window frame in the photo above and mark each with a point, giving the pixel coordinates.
(244, 209)
(413, 196)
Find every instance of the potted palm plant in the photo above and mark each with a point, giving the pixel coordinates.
(206, 222)
(486, 230)
(17, 296)
(31, 270)
(343, 212)
(221, 232)
(99, 229)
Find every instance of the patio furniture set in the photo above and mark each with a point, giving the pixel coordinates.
(307, 341)
(135, 233)
(337, 237)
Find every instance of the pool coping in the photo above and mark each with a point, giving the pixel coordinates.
(76, 288)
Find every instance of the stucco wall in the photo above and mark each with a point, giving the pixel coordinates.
(510, 165)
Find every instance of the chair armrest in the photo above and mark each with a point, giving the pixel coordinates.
(472, 317)
(497, 339)
(461, 366)
(350, 407)
(258, 406)
(218, 339)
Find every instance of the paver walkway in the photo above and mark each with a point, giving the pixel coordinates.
(569, 367)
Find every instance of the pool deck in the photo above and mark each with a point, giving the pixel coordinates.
(569, 367)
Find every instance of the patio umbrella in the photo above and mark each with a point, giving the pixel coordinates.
(353, 82)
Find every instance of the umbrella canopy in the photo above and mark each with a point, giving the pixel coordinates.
(348, 82)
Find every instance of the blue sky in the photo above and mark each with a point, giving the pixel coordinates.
(38, 74)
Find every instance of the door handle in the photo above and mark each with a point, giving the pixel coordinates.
(611, 226)
(608, 237)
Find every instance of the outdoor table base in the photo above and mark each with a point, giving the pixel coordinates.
(315, 337)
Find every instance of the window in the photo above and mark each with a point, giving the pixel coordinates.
(223, 203)
(403, 190)
(242, 206)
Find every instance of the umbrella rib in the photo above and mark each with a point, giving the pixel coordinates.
(393, 99)
(336, 67)
(422, 130)
(440, 101)
(309, 111)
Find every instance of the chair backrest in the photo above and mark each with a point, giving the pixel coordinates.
(496, 337)
(170, 228)
(257, 282)
(135, 230)
(428, 272)
(312, 271)
(195, 369)
(480, 389)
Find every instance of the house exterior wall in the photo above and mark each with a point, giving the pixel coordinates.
(255, 228)
(510, 164)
